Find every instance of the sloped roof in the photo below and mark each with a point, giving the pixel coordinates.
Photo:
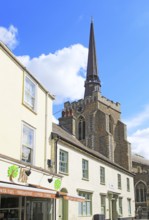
(140, 159)
(65, 136)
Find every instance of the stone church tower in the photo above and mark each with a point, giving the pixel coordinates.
(95, 120)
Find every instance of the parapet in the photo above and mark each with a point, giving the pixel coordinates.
(96, 97)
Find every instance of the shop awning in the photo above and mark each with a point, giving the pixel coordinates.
(19, 190)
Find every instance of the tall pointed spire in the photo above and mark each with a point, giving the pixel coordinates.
(92, 82)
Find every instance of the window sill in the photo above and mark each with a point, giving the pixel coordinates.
(84, 216)
(102, 183)
(85, 179)
(29, 108)
(62, 173)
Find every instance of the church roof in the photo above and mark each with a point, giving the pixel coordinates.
(139, 159)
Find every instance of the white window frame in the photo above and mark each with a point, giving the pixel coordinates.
(85, 208)
(85, 169)
(30, 100)
(129, 206)
(63, 161)
(120, 203)
(119, 181)
(28, 146)
(102, 175)
(103, 204)
(128, 184)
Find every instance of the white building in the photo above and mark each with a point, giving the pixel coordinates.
(26, 187)
(107, 187)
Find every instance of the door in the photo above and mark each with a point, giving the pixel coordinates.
(37, 210)
(60, 209)
(63, 209)
(40, 210)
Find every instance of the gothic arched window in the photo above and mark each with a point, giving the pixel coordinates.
(81, 128)
(140, 192)
(111, 124)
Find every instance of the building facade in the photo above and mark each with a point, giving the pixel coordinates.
(108, 188)
(140, 167)
(26, 183)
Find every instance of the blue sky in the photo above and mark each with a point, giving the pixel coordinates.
(51, 39)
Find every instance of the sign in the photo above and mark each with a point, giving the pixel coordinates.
(57, 184)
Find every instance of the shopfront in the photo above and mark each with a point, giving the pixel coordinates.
(15, 205)
(26, 208)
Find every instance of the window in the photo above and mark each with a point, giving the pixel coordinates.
(85, 208)
(140, 192)
(120, 206)
(102, 175)
(63, 161)
(28, 142)
(129, 206)
(30, 93)
(81, 128)
(119, 181)
(85, 169)
(128, 185)
(111, 124)
(103, 204)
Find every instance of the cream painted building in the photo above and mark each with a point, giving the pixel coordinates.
(27, 188)
(108, 188)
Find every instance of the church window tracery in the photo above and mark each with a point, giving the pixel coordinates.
(140, 192)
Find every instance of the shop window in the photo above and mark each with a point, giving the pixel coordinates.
(85, 208)
(28, 140)
(11, 207)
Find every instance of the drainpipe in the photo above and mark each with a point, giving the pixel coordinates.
(45, 147)
(56, 138)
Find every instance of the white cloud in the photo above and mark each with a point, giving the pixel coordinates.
(140, 142)
(138, 131)
(8, 36)
(54, 119)
(139, 119)
(62, 73)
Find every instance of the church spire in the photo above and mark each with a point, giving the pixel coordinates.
(92, 82)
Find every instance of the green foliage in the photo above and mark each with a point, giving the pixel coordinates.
(13, 171)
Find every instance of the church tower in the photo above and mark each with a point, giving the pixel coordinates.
(95, 120)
